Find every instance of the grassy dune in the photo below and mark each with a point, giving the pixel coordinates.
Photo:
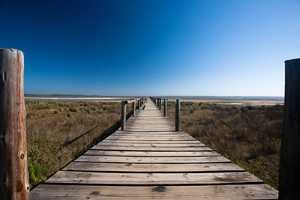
(59, 131)
(248, 135)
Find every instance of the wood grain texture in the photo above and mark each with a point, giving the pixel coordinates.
(210, 192)
(151, 167)
(122, 148)
(13, 149)
(124, 178)
(151, 153)
(136, 159)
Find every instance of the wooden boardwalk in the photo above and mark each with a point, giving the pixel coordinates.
(151, 161)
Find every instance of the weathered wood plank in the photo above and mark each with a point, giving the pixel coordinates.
(119, 148)
(141, 167)
(150, 153)
(136, 159)
(149, 145)
(108, 178)
(108, 141)
(150, 137)
(210, 192)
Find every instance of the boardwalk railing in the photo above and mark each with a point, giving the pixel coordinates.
(159, 101)
(124, 115)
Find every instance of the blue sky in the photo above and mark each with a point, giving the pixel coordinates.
(166, 47)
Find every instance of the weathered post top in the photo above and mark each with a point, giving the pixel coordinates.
(290, 151)
(14, 183)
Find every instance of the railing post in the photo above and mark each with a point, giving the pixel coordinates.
(290, 152)
(133, 108)
(123, 115)
(14, 184)
(165, 107)
(177, 115)
(159, 103)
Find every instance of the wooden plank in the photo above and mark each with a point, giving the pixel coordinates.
(150, 129)
(119, 148)
(136, 159)
(149, 139)
(150, 153)
(141, 167)
(108, 178)
(152, 134)
(145, 133)
(210, 192)
(108, 141)
(149, 145)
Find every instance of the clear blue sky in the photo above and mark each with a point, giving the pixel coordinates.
(167, 47)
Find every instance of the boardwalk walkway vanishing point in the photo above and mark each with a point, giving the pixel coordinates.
(149, 160)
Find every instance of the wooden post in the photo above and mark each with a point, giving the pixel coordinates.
(290, 143)
(177, 115)
(165, 107)
(133, 108)
(14, 184)
(123, 115)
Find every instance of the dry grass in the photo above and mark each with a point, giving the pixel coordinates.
(248, 135)
(54, 130)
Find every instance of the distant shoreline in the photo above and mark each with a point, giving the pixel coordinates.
(242, 100)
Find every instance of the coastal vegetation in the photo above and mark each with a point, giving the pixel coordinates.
(59, 131)
(248, 135)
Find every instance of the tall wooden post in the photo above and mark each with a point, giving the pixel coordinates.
(165, 107)
(123, 115)
(133, 108)
(177, 115)
(159, 103)
(14, 183)
(290, 144)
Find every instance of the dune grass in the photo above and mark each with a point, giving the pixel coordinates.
(248, 135)
(54, 130)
